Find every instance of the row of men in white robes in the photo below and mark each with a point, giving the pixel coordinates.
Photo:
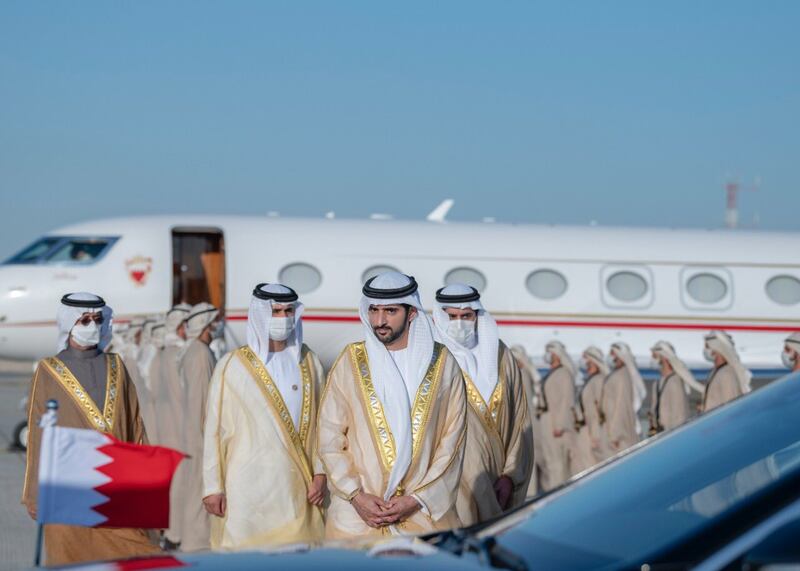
(421, 426)
(170, 360)
(581, 422)
(405, 437)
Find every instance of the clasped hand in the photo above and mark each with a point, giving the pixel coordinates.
(377, 512)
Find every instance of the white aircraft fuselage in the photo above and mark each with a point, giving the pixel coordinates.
(581, 285)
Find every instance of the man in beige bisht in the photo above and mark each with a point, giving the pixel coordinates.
(262, 481)
(669, 403)
(93, 391)
(532, 382)
(623, 394)
(130, 351)
(392, 421)
(728, 379)
(170, 411)
(791, 352)
(157, 335)
(556, 422)
(196, 367)
(498, 458)
(590, 438)
(145, 355)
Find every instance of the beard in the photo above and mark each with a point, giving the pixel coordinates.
(387, 335)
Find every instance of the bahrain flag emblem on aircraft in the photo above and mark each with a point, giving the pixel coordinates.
(90, 479)
(139, 268)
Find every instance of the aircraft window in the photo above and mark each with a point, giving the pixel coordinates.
(627, 286)
(468, 276)
(301, 277)
(80, 250)
(784, 290)
(707, 288)
(35, 251)
(373, 271)
(546, 284)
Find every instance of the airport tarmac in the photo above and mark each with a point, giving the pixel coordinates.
(17, 530)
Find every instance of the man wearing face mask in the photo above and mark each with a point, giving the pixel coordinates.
(728, 379)
(170, 410)
(623, 393)
(669, 403)
(197, 367)
(392, 421)
(498, 457)
(262, 480)
(94, 392)
(791, 352)
(590, 438)
(555, 419)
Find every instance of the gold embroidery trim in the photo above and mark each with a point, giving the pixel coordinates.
(305, 411)
(420, 412)
(275, 400)
(487, 412)
(382, 435)
(496, 400)
(102, 422)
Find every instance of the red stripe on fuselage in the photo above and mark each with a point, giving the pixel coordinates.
(579, 324)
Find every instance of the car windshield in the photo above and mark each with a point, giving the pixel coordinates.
(667, 491)
(60, 249)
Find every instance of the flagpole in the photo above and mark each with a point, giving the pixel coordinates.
(52, 405)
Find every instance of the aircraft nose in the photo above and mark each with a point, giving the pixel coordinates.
(24, 330)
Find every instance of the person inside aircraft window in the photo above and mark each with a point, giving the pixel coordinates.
(81, 251)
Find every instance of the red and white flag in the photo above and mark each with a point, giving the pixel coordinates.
(91, 479)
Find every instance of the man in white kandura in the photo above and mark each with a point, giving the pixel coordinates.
(669, 401)
(623, 394)
(261, 478)
(196, 368)
(728, 379)
(392, 421)
(555, 423)
(590, 438)
(498, 459)
(791, 352)
(170, 410)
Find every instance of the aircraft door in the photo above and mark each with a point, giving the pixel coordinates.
(198, 266)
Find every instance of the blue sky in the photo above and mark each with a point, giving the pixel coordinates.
(630, 113)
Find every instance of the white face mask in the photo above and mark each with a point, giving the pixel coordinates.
(86, 335)
(708, 355)
(584, 364)
(548, 358)
(611, 361)
(789, 359)
(655, 363)
(462, 331)
(280, 328)
(218, 330)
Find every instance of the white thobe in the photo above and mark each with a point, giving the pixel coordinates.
(285, 372)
